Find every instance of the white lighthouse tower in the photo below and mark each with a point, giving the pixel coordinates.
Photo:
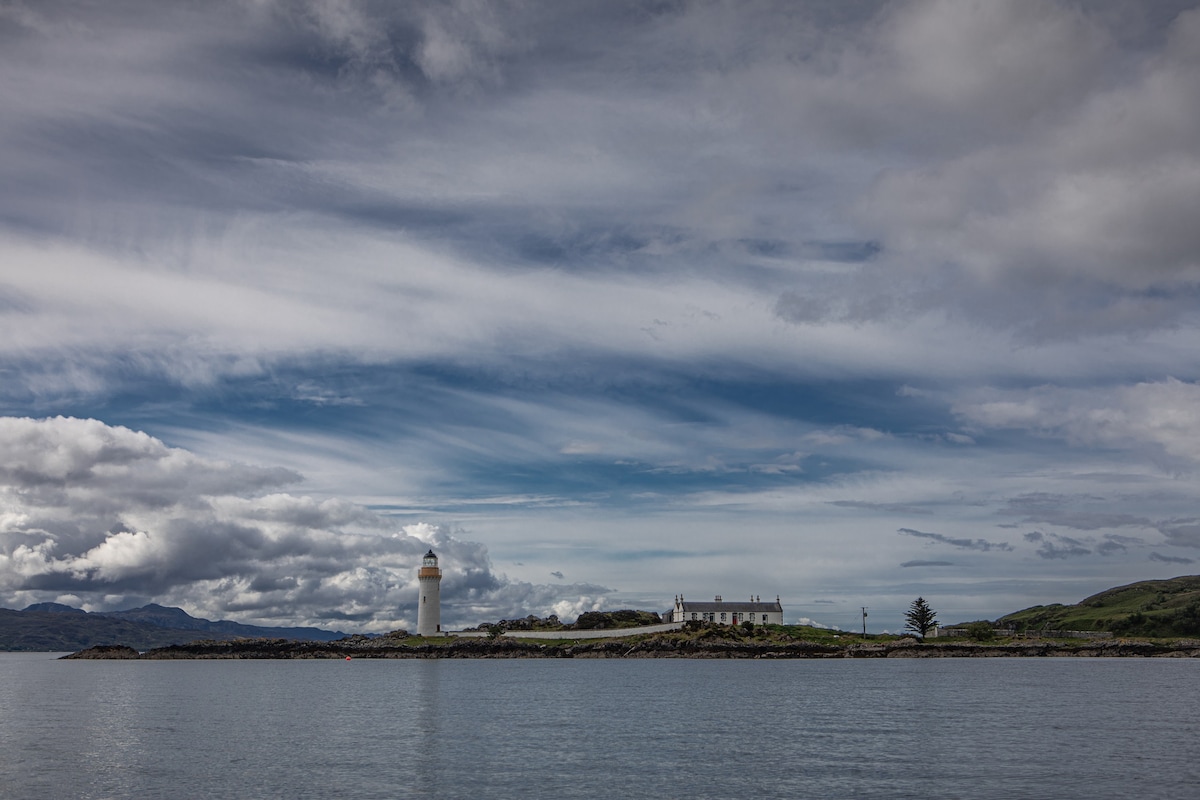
(429, 612)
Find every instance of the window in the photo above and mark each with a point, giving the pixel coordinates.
(752, 616)
(722, 616)
(693, 615)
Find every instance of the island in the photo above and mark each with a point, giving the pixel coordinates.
(705, 641)
(1156, 618)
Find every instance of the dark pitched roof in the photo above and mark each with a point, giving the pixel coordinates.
(690, 606)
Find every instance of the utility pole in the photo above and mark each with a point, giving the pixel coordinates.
(864, 608)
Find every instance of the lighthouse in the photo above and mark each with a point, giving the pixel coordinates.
(429, 612)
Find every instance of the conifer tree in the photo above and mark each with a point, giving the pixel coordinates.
(921, 619)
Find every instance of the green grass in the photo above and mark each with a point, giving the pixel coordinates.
(1149, 608)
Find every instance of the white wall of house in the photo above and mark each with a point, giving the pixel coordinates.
(727, 613)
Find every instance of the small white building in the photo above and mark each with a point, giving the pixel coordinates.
(727, 613)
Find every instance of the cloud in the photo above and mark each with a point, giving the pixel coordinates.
(692, 267)
(1163, 415)
(928, 564)
(828, 438)
(1054, 546)
(967, 544)
(425, 149)
(465, 40)
(1114, 543)
(1061, 510)
(893, 508)
(1097, 188)
(1181, 532)
(1171, 559)
(116, 517)
(812, 623)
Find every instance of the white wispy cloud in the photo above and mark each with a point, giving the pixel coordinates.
(1162, 415)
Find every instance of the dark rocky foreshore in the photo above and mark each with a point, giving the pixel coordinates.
(648, 647)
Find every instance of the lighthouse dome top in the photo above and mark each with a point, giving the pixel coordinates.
(430, 559)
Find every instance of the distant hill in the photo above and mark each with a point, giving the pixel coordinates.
(1147, 608)
(54, 626)
(54, 608)
(178, 619)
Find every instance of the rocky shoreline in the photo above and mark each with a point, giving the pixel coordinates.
(648, 647)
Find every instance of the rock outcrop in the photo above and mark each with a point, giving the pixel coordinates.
(107, 651)
(635, 647)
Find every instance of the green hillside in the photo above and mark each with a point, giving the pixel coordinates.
(53, 626)
(1147, 608)
(51, 631)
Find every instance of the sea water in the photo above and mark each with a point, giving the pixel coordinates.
(660, 728)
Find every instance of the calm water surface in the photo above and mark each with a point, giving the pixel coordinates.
(939, 728)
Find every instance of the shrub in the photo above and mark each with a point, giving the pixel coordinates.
(981, 631)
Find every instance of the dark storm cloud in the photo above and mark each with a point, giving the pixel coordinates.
(928, 564)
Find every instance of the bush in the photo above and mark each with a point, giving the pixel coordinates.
(625, 618)
(1187, 619)
(981, 631)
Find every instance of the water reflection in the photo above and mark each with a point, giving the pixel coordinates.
(428, 752)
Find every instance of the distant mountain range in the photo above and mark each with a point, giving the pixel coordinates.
(54, 626)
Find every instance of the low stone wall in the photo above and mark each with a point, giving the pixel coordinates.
(1008, 633)
(1067, 635)
(601, 633)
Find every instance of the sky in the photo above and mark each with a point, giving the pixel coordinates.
(605, 302)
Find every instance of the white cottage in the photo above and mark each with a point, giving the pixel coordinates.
(728, 613)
